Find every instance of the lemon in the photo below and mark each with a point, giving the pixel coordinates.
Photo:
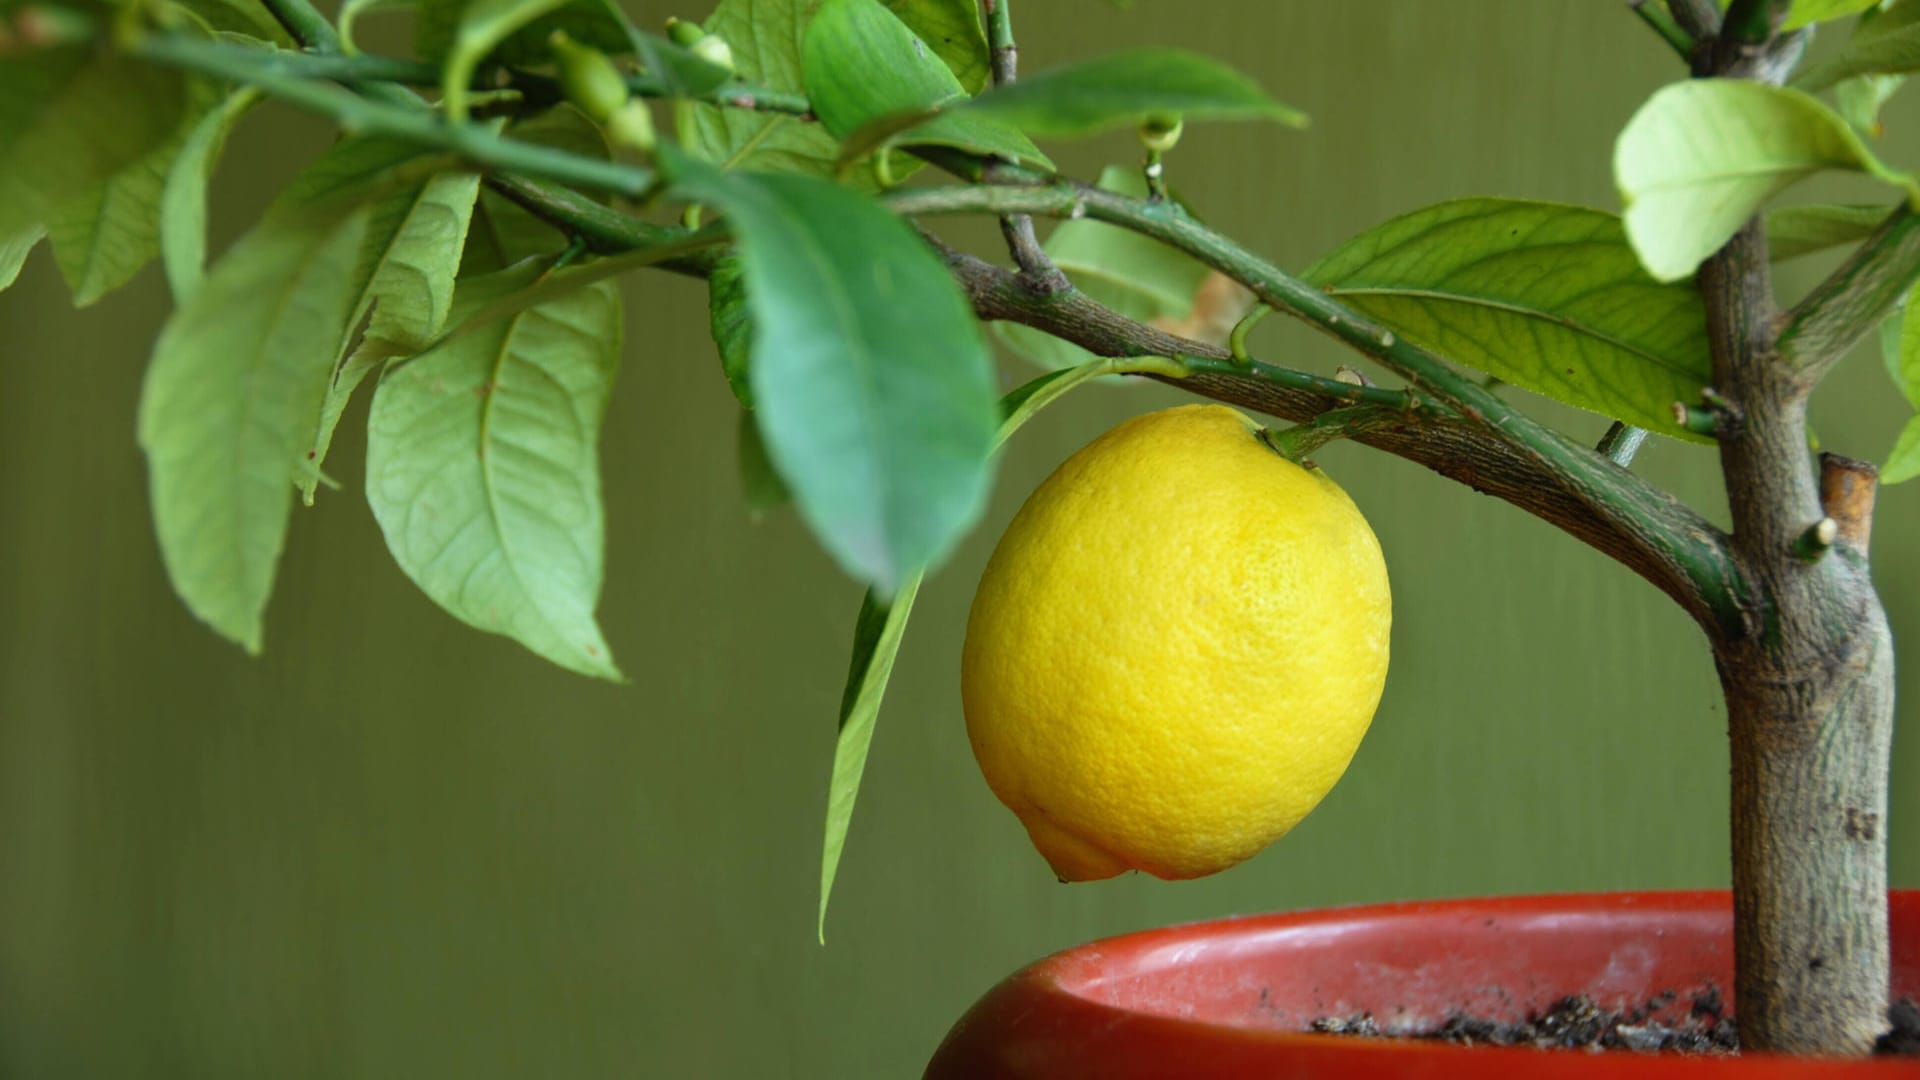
(1175, 649)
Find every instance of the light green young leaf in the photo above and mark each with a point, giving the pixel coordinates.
(760, 485)
(1883, 42)
(862, 64)
(103, 235)
(765, 37)
(482, 467)
(242, 18)
(1544, 296)
(732, 327)
(871, 383)
(14, 251)
(72, 117)
(1138, 277)
(404, 276)
(228, 402)
(952, 29)
(1904, 462)
(1700, 157)
(1807, 12)
(1860, 99)
(1127, 87)
(876, 643)
(183, 196)
(1793, 231)
(1903, 362)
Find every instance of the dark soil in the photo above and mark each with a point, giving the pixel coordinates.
(1575, 1022)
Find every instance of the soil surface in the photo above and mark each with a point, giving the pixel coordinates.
(1575, 1022)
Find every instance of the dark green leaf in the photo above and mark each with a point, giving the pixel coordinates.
(870, 381)
(1702, 156)
(183, 196)
(1127, 87)
(72, 117)
(862, 64)
(876, 643)
(1794, 231)
(760, 485)
(482, 467)
(732, 326)
(1884, 43)
(228, 402)
(14, 250)
(1544, 296)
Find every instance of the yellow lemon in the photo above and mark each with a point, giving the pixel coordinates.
(1175, 649)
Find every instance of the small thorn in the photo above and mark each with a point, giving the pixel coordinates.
(1351, 376)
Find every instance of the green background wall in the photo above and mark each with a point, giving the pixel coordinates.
(395, 847)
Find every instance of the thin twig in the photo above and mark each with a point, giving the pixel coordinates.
(1036, 269)
(1621, 442)
(1656, 16)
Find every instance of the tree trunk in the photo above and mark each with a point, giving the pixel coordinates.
(1809, 688)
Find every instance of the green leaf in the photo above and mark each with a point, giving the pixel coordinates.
(1904, 462)
(14, 251)
(1127, 87)
(876, 643)
(483, 26)
(1700, 157)
(1903, 363)
(1884, 43)
(482, 468)
(228, 402)
(680, 71)
(105, 234)
(871, 383)
(1794, 231)
(765, 37)
(72, 117)
(1807, 12)
(1544, 296)
(862, 64)
(732, 326)
(416, 227)
(183, 196)
(760, 485)
(1134, 275)
(502, 232)
(1859, 100)
(952, 29)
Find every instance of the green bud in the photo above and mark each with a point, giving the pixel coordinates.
(684, 32)
(589, 78)
(1161, 132)
(713, 49)
(631, 126)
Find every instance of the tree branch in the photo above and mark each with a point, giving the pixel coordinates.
(1853, 299)
(1036, 268)
(361, 115)
(1462, 431)
(1700, 18)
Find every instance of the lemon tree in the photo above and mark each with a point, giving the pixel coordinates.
(454, 258)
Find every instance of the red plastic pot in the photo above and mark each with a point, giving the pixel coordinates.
(1232, 998)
